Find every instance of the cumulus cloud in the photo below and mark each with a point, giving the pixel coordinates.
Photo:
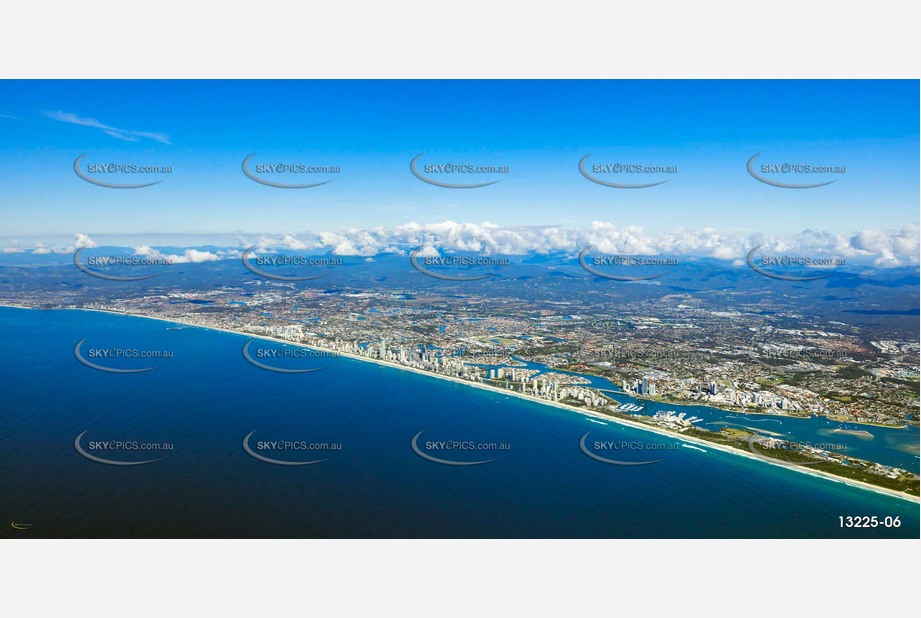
(880, 248)
(883, 248)
(190, 256)
(194, 257)
(427, 251)
(888, 248)
(43, 249)
(83, 241)
(267, 243)
(127, 135)
(289, 241)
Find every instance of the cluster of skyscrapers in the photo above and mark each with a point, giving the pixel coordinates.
(640, 387)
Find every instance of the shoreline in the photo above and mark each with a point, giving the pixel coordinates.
(669, 402)
(868, 424)
(588, 413)
(728, 410)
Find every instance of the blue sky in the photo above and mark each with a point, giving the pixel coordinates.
(372, 129)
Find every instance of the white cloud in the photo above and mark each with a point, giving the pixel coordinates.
(127, 135)
(289, 241)
(83, 241)
(881, 247)
(427, 251)
(190, 256)
(267, 243)
(194, 256)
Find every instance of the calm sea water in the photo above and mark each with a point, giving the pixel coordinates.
(207, 397)
(892, 446)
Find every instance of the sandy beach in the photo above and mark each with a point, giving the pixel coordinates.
(588, 413)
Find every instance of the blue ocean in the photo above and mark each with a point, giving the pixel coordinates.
(203, 398)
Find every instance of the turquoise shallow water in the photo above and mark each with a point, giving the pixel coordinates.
(205, 398)
(895, 446)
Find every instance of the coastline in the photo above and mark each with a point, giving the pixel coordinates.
(588, 413)
(732, 410)
(869, 424)
(669, 402)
